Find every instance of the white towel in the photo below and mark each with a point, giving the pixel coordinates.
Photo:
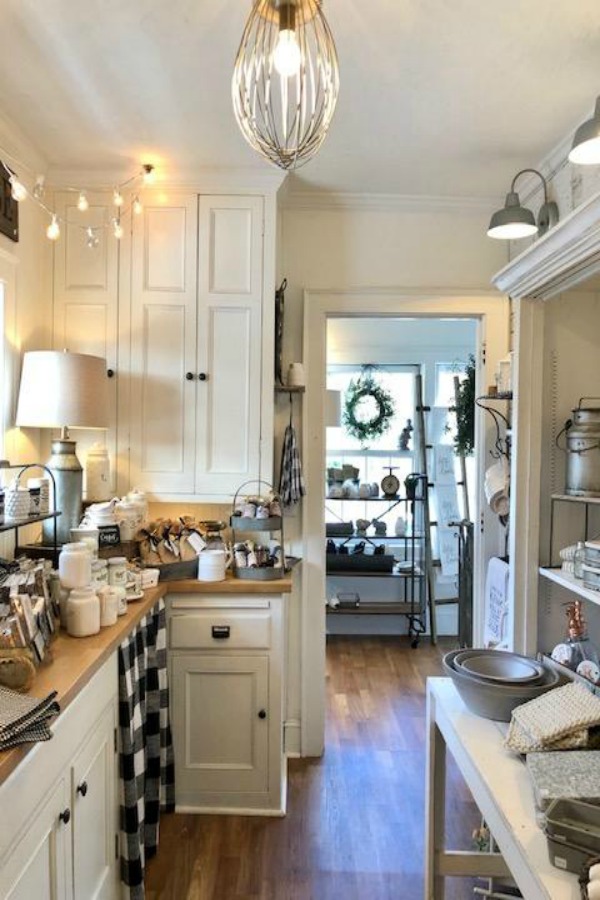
(496, 602)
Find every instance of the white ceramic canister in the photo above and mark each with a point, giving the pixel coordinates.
(117, 571)
(139, 499)
(100, 571)
(121, 600)
(109, 605)
(89, 535)
(83, 612)
(97, 473)
(296, 377)
(75, 566)
(129, 518)
(44, 485)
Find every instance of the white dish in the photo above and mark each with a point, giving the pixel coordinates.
(136, 595)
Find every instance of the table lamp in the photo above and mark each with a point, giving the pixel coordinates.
(63, 390)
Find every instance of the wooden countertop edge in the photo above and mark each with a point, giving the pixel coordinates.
(74, 661)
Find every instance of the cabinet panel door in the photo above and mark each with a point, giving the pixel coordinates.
(86, 302)
(94, 805)
(229, 335)
(164, 345)
(39, 866)
(221, 742)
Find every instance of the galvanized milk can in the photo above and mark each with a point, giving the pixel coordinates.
(583, 450)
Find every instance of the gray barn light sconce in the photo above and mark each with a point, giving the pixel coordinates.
(586, 143)
(515, 221)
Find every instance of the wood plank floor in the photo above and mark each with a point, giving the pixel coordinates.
(355, 823)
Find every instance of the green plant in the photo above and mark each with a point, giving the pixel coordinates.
(464, 408)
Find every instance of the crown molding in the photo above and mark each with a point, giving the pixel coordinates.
(320, 200)
(19, 151)
(565, 256)
(203, 179)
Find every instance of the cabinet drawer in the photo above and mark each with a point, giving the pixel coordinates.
(221, 629)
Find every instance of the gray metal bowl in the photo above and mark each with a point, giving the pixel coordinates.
(499, 665)
(496, 700)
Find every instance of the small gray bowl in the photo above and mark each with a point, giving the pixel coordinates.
(499, 665)
(496, 700)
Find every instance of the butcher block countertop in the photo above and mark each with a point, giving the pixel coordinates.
(73, 661)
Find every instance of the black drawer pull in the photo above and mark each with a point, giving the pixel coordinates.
(65, 816)
(82, 788)
(221, 632)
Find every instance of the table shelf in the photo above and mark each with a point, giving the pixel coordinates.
(10, 524)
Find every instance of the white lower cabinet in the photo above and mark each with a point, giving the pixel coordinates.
(226, 694)
(59, 840)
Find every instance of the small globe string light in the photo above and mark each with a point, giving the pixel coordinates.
(38, 188)
(83, 203)
(53, 229)
(117, 229)
(148, 173)
(137, 206)
(117, 198)
(92, 238)
(18, 191)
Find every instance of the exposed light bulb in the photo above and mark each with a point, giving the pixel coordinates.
(137, 206)
(18, 191)
(149, 173)
(92, 238)
(287, 56)
(53, 229)
(117, 229)
(83, 202)
(38, 188)
(117, 197)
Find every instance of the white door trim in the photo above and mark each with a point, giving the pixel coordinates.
(492, 310)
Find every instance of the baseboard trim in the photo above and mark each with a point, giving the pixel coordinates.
(292, 737)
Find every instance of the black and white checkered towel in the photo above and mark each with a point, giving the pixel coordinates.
(291, 482)
(24, 719)
(146, 751)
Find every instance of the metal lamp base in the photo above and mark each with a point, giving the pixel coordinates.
(68, 475)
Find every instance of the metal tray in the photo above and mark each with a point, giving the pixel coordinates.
(241, 523)
(260, 574)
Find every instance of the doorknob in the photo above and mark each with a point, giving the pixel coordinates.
(82, 788)
(262, 714)
(203, 376)
(110, 373)
(65, 816)
(189, 376)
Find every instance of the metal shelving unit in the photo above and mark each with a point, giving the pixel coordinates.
(16, 524)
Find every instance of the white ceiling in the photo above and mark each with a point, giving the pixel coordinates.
(438, 97)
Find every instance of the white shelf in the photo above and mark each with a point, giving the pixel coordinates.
(570, 583)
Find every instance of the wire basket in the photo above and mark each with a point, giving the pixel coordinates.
(257, 525)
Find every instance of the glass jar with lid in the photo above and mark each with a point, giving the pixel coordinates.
(117, 571)
(75, 566)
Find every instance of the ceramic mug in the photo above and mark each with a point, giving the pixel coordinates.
(296, 376)
(212, 565)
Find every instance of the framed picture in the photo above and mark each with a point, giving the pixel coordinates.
(9, 209)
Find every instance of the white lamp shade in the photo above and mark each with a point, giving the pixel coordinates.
(333, 408)
(61, 389)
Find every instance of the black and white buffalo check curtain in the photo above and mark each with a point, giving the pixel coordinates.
(146, 749)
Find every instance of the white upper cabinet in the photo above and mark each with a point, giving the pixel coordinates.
(196, 345)
(229, 342)
(163, 345)
(86, 295)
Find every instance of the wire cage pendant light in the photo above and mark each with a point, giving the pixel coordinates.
(285, 81)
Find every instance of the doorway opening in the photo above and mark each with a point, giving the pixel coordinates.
(382, 557)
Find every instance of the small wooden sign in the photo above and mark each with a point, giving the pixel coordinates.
(109, 535)
(9, 209)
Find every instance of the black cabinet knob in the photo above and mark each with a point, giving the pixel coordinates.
(189, 376)
(65, 816)
(82, 788)
(203, 376)
(110, 373)
(262, 714)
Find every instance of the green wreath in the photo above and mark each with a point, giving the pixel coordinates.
(377, 407)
